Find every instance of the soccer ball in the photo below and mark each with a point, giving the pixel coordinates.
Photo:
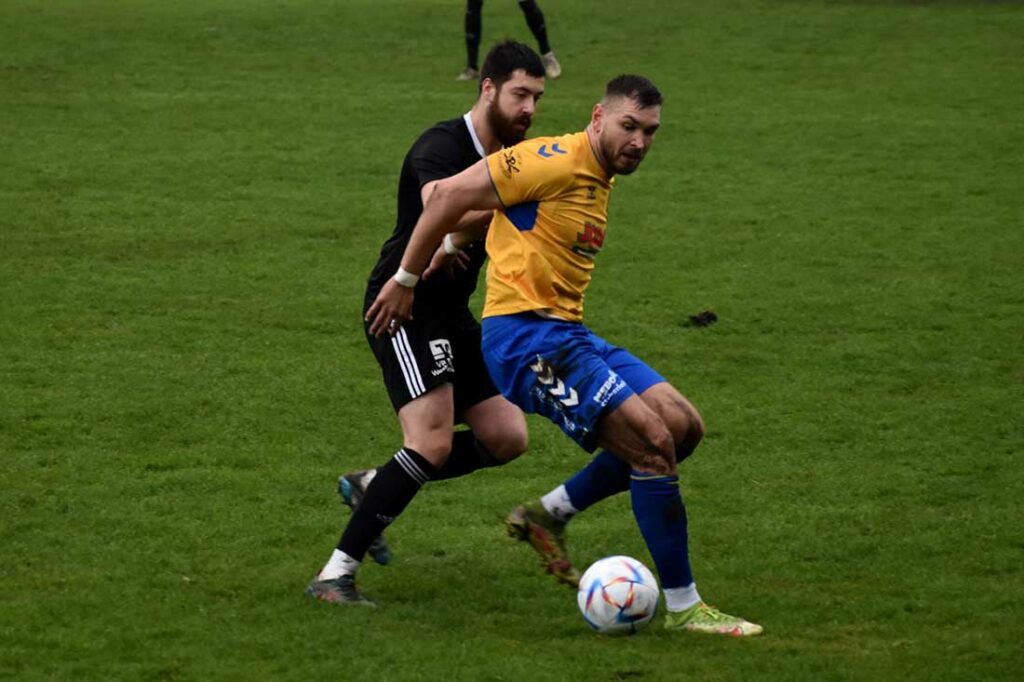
(617, 595)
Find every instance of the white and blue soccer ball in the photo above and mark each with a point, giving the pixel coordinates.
(617, 595)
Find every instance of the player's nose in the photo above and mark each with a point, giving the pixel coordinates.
(644, 141)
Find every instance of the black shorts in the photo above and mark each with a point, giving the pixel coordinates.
(430, 350)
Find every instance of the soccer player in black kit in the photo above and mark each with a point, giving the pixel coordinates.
(432, 364)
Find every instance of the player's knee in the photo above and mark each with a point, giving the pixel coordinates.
(692, 436)
(686, 426)
(434, 446)
(512, 445)
(659, 465)
(659, 448)
(507, 443)
(660, 440)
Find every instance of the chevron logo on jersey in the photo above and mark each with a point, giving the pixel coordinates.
(555, 149)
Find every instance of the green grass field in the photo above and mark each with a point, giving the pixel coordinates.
(192, 195)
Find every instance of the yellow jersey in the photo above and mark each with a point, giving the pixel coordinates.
(543, 241)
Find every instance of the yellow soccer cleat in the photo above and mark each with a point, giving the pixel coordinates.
(704, 618)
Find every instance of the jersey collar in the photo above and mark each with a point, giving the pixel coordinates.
(472, 133)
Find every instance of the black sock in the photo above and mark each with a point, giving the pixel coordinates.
(474, 25)
(468, 454)
(535, 20)
(390, 491)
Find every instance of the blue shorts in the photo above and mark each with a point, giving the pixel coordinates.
(562, 370)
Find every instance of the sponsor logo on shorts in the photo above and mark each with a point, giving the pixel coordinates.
(611, 386)
(444, 360)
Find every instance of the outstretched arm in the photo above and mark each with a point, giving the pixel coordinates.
(452, 197)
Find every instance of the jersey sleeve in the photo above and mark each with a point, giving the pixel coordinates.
(530, 171)
(436, 156)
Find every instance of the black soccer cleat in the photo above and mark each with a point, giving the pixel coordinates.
(340, 590)
(351, 488)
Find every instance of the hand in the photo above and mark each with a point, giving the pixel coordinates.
(443, 261)
(390, 309)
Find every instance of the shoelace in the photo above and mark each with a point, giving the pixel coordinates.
(711, 612)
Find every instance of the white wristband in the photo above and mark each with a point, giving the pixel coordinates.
(406, 278)
(449, 245)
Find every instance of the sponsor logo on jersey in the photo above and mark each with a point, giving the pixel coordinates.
(590, 240)
(511, 162)
(444, 359)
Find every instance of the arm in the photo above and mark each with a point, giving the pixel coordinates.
(450, 199)
(472, 227)
(473, 223)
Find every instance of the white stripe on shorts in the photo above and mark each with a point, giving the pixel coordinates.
(410, 467)
(407, 361)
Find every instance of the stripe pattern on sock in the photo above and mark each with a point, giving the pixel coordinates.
(410, 467)
(384, 499)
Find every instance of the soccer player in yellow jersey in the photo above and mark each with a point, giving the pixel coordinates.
(550, 197)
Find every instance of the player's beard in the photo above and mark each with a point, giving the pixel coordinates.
(621, 161)
(505, 128)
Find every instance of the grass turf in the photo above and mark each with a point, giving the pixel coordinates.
(192, 194)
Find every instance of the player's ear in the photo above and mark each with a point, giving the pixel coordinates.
(488, 90)
(597, 117)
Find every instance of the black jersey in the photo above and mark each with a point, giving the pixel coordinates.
(442, 151)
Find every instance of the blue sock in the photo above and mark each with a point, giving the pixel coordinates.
(660, 514)
(604, 476)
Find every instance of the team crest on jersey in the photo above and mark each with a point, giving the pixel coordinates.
(590, 240)
(444, 359)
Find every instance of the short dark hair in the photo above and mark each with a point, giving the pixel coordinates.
(637, 88)
(507, 57)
